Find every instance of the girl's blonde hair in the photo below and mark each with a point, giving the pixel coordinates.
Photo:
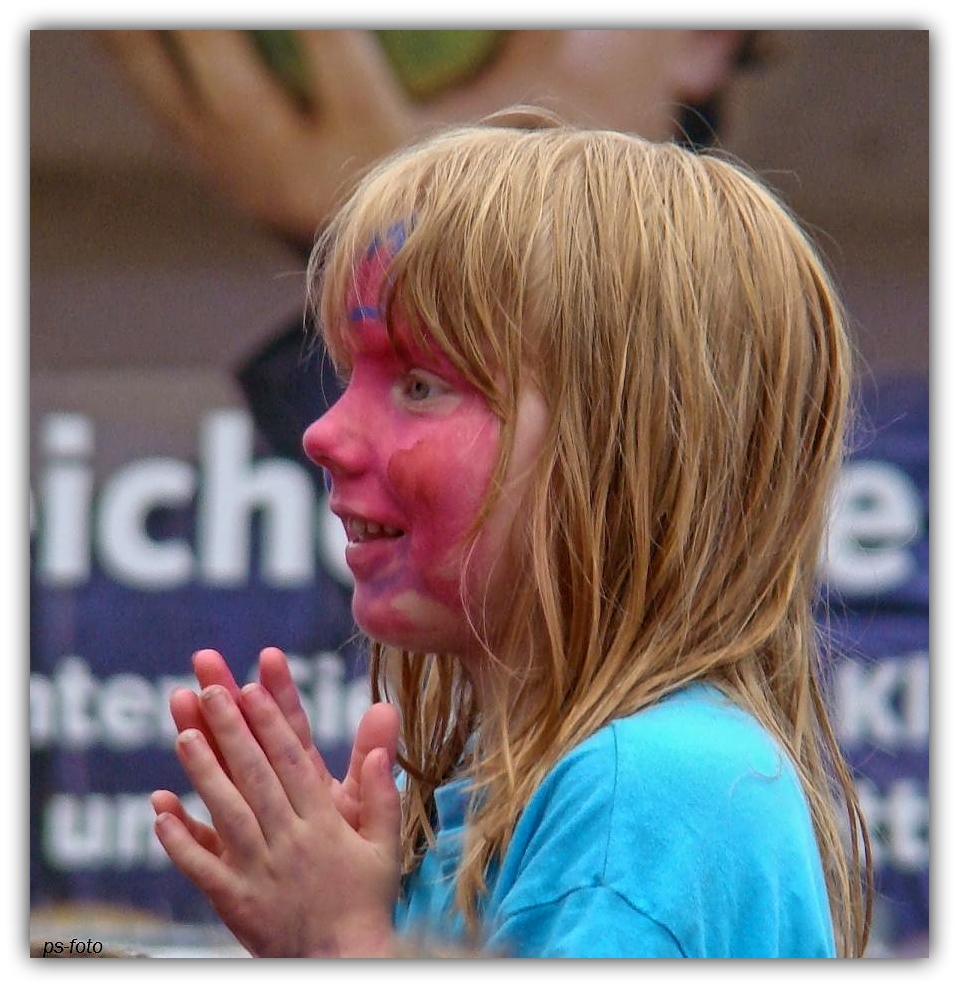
(693, 357)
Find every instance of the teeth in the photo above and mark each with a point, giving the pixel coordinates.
(359, 530)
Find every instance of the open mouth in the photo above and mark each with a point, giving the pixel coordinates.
(360, 530)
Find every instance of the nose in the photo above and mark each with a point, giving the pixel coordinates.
(335, 440)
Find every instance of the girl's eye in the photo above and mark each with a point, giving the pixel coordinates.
(419, 386)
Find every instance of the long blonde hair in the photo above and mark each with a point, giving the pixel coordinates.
(693, 356)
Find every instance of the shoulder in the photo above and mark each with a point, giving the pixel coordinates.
(695, 741)
(694, 770)
(692, 762)
(689, 814)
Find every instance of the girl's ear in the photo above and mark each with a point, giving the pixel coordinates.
(704, 63)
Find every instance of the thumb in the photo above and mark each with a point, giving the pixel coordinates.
(379, 816)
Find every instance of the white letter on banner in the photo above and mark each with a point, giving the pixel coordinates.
(233, 488)
(125, 548)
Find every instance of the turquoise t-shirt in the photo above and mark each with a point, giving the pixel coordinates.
(680, 831)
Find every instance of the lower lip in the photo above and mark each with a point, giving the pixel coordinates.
(370, 557)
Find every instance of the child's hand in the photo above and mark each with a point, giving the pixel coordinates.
(378, 728)
(283, 868)
(211, 669)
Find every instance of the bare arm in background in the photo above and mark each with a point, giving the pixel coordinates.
(286, 165)
(280, 164)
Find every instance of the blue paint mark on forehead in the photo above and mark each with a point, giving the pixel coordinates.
(394, 239)
(383, 247)
(359, 313)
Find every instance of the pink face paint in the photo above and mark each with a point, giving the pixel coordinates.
(443, 482)
(431, 474)
(410, 449)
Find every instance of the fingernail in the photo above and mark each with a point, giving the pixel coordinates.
(382, 765)
(253, 693)
(190, 738)
(255, 699)
(215, 698)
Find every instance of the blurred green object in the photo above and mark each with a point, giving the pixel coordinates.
(282, 54)
(425, 62)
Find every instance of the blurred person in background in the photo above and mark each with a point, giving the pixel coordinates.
(280, 122)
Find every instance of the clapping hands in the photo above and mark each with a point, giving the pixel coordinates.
(295, 862)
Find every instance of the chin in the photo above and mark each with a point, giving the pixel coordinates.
(410, 637)
(414, 622)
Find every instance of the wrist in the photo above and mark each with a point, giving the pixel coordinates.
(358, 941)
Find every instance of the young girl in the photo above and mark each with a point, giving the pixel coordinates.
(595, 403)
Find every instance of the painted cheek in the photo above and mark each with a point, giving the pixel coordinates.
(442, 483)
(450, 473)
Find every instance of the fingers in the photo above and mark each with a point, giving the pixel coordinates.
(263, 756)
(185, 708)
(263, 739)
(277, 680)
(380, 805)
(379, 727)
(265, 780)
(227, 75)
(353, 78)
(274, 779)
(210, 669)
(164, 801)
(308, 792)
(201, 865)
(233, 818)
(145, 59)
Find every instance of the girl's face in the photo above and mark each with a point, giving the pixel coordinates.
(410, 448)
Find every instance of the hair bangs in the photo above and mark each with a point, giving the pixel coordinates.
(451, 269)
